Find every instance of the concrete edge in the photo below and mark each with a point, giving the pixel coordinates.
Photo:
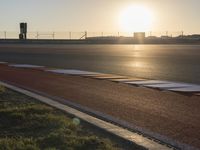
(116, 121)
(108, 127)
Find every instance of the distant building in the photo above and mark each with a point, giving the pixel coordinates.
(152, 37)
(165, 37)
(194, 37)
(139, 35)
(23, 31)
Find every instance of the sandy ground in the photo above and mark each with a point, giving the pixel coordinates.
(171, 114)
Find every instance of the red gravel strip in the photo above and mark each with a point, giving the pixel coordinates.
(174, 115)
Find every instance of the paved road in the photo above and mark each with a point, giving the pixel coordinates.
(161, 62)
(170, 114)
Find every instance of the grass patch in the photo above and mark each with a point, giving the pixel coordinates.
(26, 124)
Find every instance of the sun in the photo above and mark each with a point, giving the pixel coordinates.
(136, 19)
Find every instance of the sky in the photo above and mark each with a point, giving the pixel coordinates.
(97, 15)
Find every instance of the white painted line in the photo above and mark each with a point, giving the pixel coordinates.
(169, 85)
(96, 75)
(25, 66)
(186, 89)
(2, 62)
(147, 82)
(128, 80)
(110, 77)
(116, 130)
(198, 94)
(71, 72)
(172, 86)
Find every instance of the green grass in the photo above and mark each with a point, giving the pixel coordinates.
(26, 124)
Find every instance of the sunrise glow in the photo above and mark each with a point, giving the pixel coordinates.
(136, 18)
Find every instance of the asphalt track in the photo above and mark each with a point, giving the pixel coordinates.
(170, 114)
(159, 62)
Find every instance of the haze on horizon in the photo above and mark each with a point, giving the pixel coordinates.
(100, 15)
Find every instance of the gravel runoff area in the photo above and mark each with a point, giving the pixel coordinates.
(170, 114)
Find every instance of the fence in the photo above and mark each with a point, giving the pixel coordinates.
(80, 35)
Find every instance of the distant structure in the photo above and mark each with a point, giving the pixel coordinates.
(139, 36)
(23, 31)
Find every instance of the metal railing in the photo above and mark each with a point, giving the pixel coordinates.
(82, 35)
